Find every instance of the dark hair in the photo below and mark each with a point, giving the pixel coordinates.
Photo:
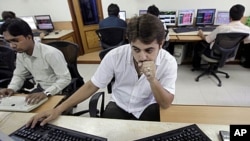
(16, 27)
(113, 9)
(153, 10)
(8, 15)
(237, 12)
(145, 28)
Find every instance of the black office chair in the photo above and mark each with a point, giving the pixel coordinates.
(7, 65)
(166, 43)
(70, 52)
(225, 48)
(111, 36)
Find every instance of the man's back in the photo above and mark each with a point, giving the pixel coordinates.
(112, 21)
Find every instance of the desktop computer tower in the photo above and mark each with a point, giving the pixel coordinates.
(179, 52)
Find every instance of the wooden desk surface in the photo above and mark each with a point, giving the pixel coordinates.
(60, 34)
(206, 114)
(189, 38)
(112, 129)
(50, 103)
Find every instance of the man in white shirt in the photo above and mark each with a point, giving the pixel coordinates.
(236, 12)
(145, 76)
(45, 63)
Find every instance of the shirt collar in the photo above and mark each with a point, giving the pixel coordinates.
(36, 51)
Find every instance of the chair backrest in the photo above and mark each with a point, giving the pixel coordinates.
(111, 36)
(7, 59)
(7, 65)
(226, 46)
(70, 52)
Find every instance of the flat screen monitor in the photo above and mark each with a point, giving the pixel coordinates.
(30, 20)
(44, 22)
(205, 17)
(168, 17)
(185, 17)
(222, 17)
(122, 15)
(141, 12)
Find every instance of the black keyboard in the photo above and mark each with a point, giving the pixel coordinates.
(51, 132)
(187, 133)
(184, 29)
(207, 28)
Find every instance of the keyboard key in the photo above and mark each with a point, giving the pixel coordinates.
(187, 133)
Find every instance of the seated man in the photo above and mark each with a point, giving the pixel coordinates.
(236, 13)
(45, 63)
(113, 19)
(145, 76)
(155, 11)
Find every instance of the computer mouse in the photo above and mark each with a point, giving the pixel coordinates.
(56, 32)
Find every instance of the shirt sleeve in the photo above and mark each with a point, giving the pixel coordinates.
(19, 75)
(58, 64)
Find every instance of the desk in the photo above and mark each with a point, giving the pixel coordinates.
(67, 35)
(113, 129)
(50, 103)
(206, 114)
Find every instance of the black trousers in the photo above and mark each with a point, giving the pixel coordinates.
(201, 47)
(151, 113)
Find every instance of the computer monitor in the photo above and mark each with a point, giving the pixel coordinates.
(205, 17)
(168, 17)
(122, 15)
(141, 12)
(30, 20)
(222, 17)
(185, 17)
(44, 22)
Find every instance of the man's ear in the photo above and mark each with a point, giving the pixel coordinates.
(29, 37)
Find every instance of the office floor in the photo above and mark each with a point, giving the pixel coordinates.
(234, 91)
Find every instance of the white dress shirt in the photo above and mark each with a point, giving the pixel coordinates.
(234, 26)
(47, 66)
(131, 93)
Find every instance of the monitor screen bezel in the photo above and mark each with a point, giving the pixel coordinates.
(216, 17)
(141, 12)
(168, 22)
(205, 24)
(49, 20)
(124, 13)
(192, 17)
(33, 22)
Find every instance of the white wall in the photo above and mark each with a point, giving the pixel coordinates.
(59, 10)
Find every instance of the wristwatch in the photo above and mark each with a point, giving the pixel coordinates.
(47, 93)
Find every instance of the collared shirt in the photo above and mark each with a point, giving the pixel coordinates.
(234, 26)
(131, 93)
(112, 21)
(47, 66)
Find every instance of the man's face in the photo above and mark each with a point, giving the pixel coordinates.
(145, 52)
(18, 43)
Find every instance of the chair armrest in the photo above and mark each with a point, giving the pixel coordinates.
(93, 111)
(93, 103)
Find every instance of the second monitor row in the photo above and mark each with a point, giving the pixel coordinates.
(185, 17)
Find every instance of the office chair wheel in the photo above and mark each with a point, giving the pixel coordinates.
(219, 84)
(227, 76)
